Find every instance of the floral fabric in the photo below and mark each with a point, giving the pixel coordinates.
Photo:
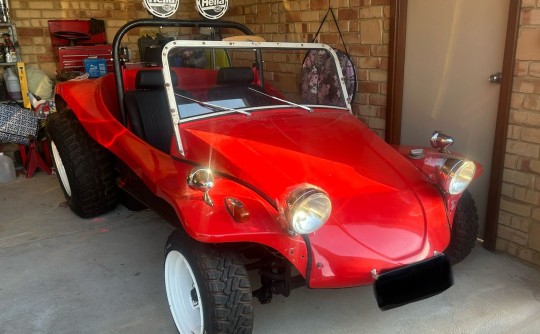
(319, 82)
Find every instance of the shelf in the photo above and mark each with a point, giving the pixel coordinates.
(20, 70)
(12, 31)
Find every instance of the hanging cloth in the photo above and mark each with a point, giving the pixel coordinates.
(318, 83)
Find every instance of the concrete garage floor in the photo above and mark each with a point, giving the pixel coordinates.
(63, 274)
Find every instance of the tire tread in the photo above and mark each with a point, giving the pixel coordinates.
(464, 229)
(228, 283)
(89, 166)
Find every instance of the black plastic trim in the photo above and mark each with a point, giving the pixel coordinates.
(310, 258)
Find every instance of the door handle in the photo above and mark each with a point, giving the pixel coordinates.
(495, 78)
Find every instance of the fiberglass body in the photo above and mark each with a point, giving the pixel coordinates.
(385, 211)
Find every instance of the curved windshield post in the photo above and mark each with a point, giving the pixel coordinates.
(246, 77)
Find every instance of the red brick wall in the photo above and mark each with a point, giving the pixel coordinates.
(519, 219)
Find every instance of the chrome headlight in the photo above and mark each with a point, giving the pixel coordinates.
(456, 175)
(308, 208)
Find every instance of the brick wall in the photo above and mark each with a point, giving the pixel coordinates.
(519, 218)
(364, 24)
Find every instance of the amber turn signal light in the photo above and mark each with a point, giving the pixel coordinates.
(236, 209)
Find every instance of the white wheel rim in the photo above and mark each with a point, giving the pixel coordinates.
(183, 294)
(60, 169)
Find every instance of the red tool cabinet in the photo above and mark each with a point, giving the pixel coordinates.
(71, 53)
(72, 57)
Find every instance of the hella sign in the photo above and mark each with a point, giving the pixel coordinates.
(161, 8)
(212, 9)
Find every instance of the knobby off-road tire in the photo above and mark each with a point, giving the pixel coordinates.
(84, 168)
(208, 287)
(464, 229)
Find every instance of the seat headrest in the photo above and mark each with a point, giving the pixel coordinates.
(151, 79)
(234, 76)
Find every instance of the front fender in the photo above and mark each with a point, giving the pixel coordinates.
(429, 164)
(214, 224)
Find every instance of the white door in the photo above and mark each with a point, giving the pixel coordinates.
(452, 47)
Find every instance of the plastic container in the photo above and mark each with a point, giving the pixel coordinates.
(12, 84)
(7, 169)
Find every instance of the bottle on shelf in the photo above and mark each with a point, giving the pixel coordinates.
(10, 54)
(12, 84)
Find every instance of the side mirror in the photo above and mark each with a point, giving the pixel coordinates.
(441, 141)
(202, 179)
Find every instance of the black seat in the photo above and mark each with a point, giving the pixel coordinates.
(235, 83)
(148, 110)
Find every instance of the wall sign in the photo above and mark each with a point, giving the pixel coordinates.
(212, 9)
(161, 8)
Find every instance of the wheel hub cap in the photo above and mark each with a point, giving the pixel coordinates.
(183, 294)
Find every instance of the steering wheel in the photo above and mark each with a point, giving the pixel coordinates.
(72, 36)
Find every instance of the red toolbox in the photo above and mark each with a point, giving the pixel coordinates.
(72, 57)
(75, 40)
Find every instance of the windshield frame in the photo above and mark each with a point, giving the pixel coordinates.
(169, 47)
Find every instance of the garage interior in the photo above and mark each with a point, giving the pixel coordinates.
(61, 273)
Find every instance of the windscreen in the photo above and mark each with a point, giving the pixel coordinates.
(213, 78)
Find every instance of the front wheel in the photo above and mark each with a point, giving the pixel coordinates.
(208, 287)
(464, 229)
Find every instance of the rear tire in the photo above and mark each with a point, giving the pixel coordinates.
(84, 168)
(464, 229)
(208, 287)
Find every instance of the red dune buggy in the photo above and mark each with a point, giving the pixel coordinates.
(217, 137)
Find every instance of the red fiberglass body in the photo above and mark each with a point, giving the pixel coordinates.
(386, 211)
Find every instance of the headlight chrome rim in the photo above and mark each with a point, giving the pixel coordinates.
(307, 209)
(456, 175)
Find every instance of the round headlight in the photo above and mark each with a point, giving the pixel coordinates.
(456, 175)
(308, 209)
